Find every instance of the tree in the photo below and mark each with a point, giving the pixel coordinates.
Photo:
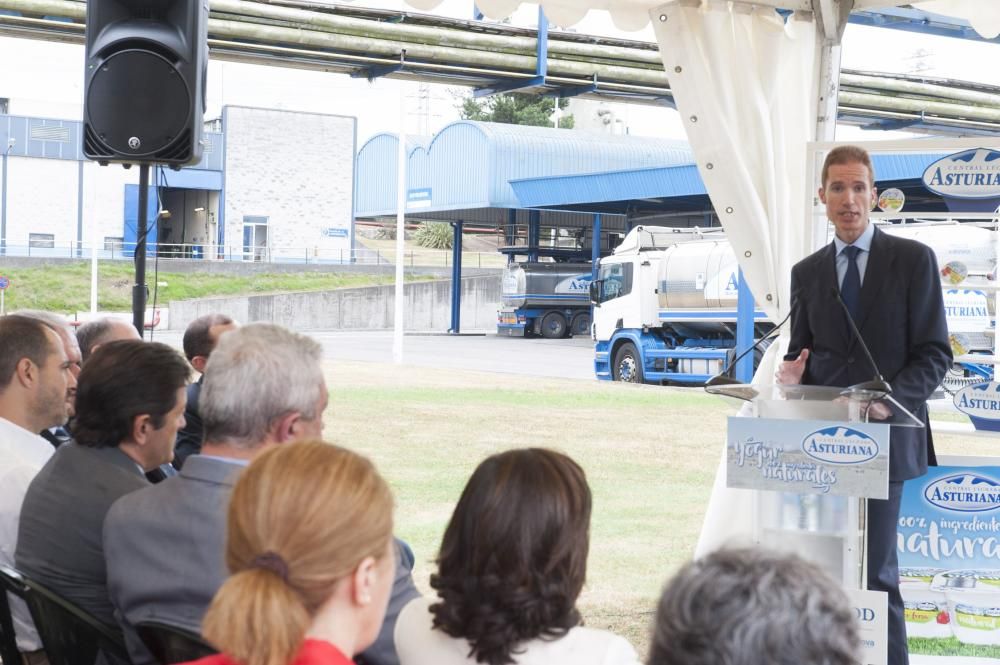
(515, 109)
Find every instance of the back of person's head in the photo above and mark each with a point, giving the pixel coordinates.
(302, 519)
(22, 337)
(752, 606)
(256, 375)
(198, 339)
(120, 381)
(847, 154)
(513, 558)
(93, 334)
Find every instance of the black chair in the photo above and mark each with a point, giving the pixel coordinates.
(170, 644)
(69, 635)
(9, 652)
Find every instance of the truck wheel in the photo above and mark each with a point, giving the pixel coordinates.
(553, 325)
(627, 366)
(581, 324)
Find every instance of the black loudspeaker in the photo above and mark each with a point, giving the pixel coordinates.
(144, 91)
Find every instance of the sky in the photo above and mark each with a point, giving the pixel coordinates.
(48, 79)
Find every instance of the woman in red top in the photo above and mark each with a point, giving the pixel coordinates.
(309, 546)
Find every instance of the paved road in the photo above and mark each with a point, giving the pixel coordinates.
(560, 358)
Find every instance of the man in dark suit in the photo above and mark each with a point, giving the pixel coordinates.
(165, 545)
(200, 339)
(892, 288)
(129, 405)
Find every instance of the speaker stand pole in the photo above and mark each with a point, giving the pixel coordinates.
(141, 229)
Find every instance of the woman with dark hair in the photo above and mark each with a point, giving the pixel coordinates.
(512, 564)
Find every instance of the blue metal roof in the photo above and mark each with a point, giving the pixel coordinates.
(669, 182)
(470, 165)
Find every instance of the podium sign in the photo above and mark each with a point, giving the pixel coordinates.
(808, 457)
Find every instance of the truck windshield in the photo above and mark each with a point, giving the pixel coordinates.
(616, 280)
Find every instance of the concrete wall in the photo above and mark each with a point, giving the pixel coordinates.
(295, 169)
(427, 307)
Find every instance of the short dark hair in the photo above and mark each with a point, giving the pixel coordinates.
(91, 334)
(22, 337)
(122, 380)
(514, 555)
(847, 154)
(752, 606)
(197, 337)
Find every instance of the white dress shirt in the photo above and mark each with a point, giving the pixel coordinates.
(418, 643)
(22, 455)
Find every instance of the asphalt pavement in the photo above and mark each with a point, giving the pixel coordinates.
(559, 358)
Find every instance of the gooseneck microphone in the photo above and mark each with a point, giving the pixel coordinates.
(878, 387)
(721, 379)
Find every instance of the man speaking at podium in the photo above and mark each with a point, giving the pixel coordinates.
(892, 290)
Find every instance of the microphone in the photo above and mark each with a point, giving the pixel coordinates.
(878, 387)
(721, 379)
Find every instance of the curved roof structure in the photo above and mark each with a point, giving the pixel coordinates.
(469, 165)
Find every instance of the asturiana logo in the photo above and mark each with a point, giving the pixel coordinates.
(972, 174)
(574, 284)
(964, 492)
(981, 400)
(840, 445)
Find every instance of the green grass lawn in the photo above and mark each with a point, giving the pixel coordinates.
(66, 287)
(650, 455)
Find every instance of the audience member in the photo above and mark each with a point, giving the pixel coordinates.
(129, 406)
(311, 571)
(753, 607)
(200, 339)
(59, 435)
(512, 563)
(93, 334)
(35, 375)
(263, 387)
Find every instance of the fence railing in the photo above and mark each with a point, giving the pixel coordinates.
(417, 257)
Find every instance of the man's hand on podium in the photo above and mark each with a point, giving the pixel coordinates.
(790, 371)
(879, 411)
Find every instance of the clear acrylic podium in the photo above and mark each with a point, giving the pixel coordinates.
(816, 453)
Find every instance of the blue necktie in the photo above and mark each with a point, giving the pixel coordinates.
(850, 289)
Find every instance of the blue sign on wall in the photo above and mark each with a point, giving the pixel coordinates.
(333, 232)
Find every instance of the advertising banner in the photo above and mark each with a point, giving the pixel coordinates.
(949, 564)
(808, 457)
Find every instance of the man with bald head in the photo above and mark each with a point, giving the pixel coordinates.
(35, 376)
(101, 331)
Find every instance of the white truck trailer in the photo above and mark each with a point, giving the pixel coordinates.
(665, 300)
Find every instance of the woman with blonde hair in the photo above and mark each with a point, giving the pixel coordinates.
(513, 562)
(310, 551)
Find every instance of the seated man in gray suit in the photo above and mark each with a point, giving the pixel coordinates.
(165, 544)
(129, 404)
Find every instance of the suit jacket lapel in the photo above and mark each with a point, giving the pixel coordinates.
(879, 266)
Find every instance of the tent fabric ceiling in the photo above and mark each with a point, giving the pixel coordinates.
(632, 15)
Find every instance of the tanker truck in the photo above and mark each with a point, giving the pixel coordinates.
(547, 299)
(665, 301)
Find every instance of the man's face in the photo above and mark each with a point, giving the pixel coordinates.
(159, 448)
(72, 349)
(56, 380)
(849, 197)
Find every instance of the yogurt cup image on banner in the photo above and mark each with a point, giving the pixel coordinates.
(974, 604)
(926, 610)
